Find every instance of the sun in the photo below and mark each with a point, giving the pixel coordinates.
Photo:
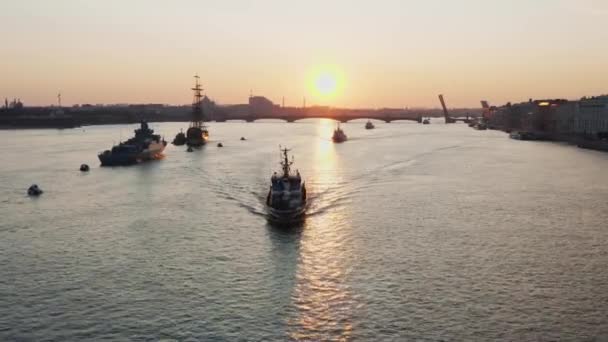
(326, 82)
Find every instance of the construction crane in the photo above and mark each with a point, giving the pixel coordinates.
(446, 115)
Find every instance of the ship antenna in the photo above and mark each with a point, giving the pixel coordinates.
(285, 162)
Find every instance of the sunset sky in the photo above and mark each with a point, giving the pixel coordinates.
(382, 53)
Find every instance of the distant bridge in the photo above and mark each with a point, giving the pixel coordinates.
(292, 118)
(251, 113)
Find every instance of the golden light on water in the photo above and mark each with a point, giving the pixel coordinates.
(325, 147)
(322, 295)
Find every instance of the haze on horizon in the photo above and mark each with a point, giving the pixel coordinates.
(389, 53)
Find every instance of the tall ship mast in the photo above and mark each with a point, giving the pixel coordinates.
(197, 134)
(197, 104)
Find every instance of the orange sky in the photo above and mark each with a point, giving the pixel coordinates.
(392, 53)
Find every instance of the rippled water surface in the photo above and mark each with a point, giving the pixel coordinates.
(413, 233)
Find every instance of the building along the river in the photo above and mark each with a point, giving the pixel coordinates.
(555, 119)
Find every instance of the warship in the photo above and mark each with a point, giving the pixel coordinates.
(145, 145)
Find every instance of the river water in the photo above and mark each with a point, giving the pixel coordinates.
(414, 232)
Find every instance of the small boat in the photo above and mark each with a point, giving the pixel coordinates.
(286, 199)
(595, 144)
(180, 139)
(243, 139)
(220, 145)
(515, 135)
(84, 168)
(426, 121)
(34, 190)
(369, 125)
(190, 149)
(339, 135)
(521, 135)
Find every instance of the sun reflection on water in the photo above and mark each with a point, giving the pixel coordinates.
(321, 297)
(325, 160)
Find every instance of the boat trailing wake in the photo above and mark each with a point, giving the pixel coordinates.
(322, 196)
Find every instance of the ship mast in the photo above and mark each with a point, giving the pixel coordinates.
(285, 163)
(197, 108)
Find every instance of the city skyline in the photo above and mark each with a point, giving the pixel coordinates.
(381, 54)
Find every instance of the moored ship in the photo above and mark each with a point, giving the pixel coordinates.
(286, 200)
(598, 142)
(145, 145)
(480, 126)
(369, 125)
(524, 135)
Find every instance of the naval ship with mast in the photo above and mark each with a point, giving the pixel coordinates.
(197, 133)
(145, 145)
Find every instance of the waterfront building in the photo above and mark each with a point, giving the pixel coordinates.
(591, 116)
(261, 105)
